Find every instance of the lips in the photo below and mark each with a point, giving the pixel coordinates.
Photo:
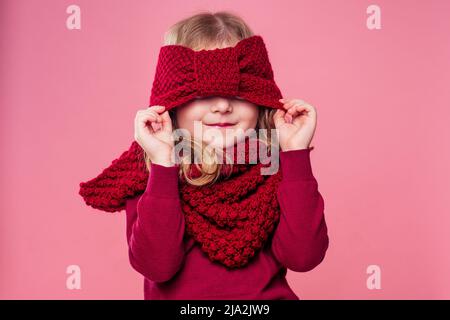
(221, 124)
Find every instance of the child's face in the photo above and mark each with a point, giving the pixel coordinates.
(207, 111)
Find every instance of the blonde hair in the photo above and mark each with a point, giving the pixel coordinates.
(200, 31)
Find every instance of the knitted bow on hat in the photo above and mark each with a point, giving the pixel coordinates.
(244, 70)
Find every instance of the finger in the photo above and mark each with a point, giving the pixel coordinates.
(152, 112)
(157, 108)
(278, 118)
(156, 126)
(288, 118)
(150, 109)
(289, 104)
(299, 101)
(285, 100)
(166, 121)
(295, 102)
(154, 115)
(144, 119)
(308, 109)
(165, 118)
(297, 109)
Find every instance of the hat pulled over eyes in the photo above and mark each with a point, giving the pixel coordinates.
(183, 74)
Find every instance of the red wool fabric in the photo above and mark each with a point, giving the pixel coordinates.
(175, 267)
(182, 74)
(231, 219)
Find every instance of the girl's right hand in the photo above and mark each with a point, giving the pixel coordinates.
(153, 132)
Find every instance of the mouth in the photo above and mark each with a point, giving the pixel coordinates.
(220, 124)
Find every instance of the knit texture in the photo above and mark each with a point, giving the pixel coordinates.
(230, 219)
(244, 70)
(126, 177)
(234, 217)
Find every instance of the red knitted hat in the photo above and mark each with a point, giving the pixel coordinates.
(183, 74)
(233, 219)
(244, 70)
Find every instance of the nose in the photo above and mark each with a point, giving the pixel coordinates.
(221, 105)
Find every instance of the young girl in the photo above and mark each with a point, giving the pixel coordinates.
(216, 230)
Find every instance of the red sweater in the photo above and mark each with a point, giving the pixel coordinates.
(176, 269)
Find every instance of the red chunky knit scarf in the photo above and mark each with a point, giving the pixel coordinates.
(231, 219)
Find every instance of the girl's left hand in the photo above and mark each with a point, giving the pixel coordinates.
(296, 124)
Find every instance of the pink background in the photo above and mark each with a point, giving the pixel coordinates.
(69, 97)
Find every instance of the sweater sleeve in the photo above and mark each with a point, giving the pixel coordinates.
(301, 238)
(155, 226)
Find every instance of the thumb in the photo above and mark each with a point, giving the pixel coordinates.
(166, 121)
(278, 118)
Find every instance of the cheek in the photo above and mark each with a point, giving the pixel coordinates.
(187, 114)
(249, 116)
